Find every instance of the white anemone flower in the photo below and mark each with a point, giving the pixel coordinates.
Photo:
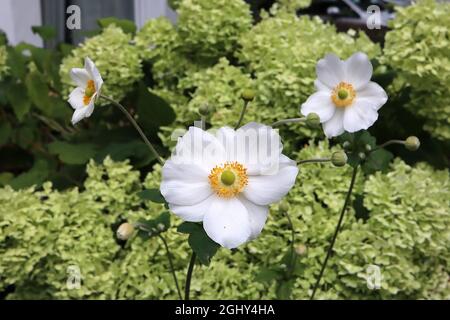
(83, 97)
(346, 99)
(228, 180)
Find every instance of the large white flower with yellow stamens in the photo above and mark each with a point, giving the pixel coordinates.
(227, 180)
(83, 97)
(346, 99)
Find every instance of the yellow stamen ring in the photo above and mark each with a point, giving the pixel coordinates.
(229, 179)
(343, 94)
(89, 91)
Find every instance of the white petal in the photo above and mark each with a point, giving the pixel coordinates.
(359, 116)
(200, 148)
(257, 215)
(320, 103)
(259, 148)
(94, 73)
(79, 114)
(321, 86)
(227, 222)
(227, 137)
(373, 94)
(330, 70)
(358, 70)
(80, 77)
(76, 98)
(334, 126)
(267, 189)
(184, 184)
(194, 213)
(90, 108)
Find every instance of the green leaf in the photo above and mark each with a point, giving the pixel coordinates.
(5, 132)
(18, 99)
(5, 178)
(72, 153)
(153, 111)
(284, 290)
(127, 26)
(153, 227)
(153, 195)
(16, 62)
(267, 275)
(199, 241)
(377, 160)
(135, 150)
(45, 32)
(38, 92)
(35, 176)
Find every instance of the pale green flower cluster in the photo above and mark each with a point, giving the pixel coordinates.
(211, 29)
(118, 61)
(417, 48)
(42, 233)
(4, 69)
(292, 5)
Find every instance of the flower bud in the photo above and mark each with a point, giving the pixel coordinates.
(339, 158)
(204, 110)
(248, 95)
(125, 231)
(368, 147)
(412, 143)
(301, 249)
(312, 120)
(284, 206)
(362, 155)
(161, 227)
(346, 145)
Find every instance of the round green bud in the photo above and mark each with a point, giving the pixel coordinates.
(204, 110)
(346, 145)
(284, 206)
(368, 147)
(301, 249)
(248, 95)
(339, 158)
(313, 120)
(227, 177)
(412, 143)
(125, 231)
(362, 155)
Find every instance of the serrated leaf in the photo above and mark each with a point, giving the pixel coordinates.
(153, 227)
(199, 241)
(18, 99)
(153, 111)
(45, 32)
(267, 275)
(72, 153)
(35, 176)
(377, 160)
(153, 195)
(127, 26)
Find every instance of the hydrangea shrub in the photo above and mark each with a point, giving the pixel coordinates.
(413, 257)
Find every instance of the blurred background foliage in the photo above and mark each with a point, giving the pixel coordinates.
(66, 189)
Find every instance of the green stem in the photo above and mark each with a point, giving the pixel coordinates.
(338, 227)
(187, 287)
(316, 160)
(136, 126)
(387, 143)
(293, 255)
(286, 121)
(172, 269)
(241, 117)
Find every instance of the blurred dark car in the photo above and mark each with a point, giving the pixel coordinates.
(354, 14)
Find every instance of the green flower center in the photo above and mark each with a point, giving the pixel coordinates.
(227, 177)
(342, 94)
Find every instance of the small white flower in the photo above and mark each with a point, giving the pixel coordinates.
(346, 99)
(228, 180)
(83, 97)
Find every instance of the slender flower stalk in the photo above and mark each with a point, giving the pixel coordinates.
(136, 126)
(187, 287)
(293, 254)
(388, 143)
(338, 227)
(287, 121)
(241, 117)
(172, 268)
(314, 160)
